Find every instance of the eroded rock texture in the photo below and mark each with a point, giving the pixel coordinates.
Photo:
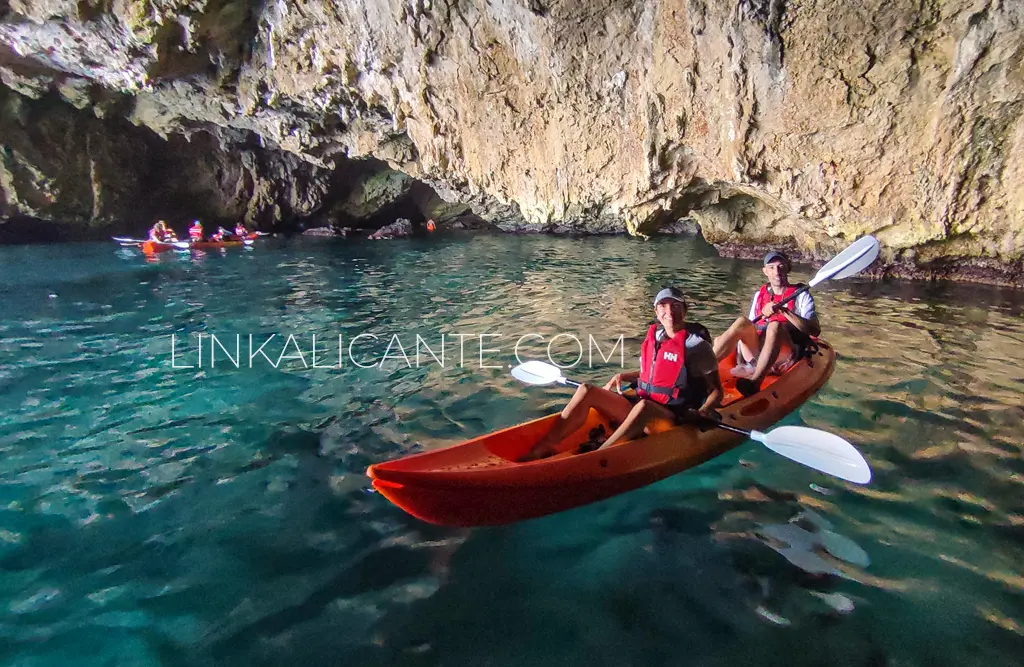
(800, 123)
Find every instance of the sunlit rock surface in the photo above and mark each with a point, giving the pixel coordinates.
(770, 123)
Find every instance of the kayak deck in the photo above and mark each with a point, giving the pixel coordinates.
(479, 482)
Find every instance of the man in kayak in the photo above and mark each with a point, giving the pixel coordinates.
(195, 232)
(241, 232)
(775, 343)
(678, 376)
(161, 233)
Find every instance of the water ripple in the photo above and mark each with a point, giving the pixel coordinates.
(222, 513)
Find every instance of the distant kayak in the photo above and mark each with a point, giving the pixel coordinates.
(479, 482)
(154, 247)
(157, 246)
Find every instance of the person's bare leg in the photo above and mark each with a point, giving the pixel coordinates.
(747, 355)
(723, 344)
(637, 420)
(776, 339)
(741, 331)
(613, 406)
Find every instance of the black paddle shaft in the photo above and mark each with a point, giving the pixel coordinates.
(726, 427)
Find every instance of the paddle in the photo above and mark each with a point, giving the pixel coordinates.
(821, 450)
(849, 262)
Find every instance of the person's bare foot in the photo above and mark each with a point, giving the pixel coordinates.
(594, 441)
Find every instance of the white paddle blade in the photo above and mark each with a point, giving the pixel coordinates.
(849, 262)
(537, 372)
(181, 245)
(823, 451)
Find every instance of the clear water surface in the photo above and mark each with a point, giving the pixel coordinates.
(154, 515)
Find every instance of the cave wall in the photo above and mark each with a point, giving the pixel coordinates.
(796, 123)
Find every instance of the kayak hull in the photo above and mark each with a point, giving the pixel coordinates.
(155, 247)
(478, 482)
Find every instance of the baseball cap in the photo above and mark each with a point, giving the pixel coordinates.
(670, 293)
(774, 255)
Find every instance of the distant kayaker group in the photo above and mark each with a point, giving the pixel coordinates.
(161, 233)
(678, 379)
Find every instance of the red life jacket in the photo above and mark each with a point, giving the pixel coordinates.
(764, 297)
(241, 231)
(195, 233)
(663, 376)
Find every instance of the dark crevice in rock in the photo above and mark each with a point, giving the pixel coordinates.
(698, 196)
(537, 7)
(70, 175)
(89, 10)
(27, 230)
(174, 58)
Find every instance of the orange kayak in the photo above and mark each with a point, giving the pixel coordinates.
(478, 482)
(153, 247)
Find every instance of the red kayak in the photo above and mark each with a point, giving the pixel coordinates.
(153, 247)
(479, 482)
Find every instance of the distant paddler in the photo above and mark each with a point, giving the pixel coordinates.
(241, 232)
(195, 232)
(161, 233)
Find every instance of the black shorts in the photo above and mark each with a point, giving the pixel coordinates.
(679, 410)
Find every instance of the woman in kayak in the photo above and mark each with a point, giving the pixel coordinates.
(775, 343)
(161, 233)
(678, 375)
(241, 232)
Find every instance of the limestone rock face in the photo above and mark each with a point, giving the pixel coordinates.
(61, 164)
(801, 124)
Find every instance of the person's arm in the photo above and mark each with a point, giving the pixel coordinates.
(803, 317)
(619, 378)
(703, 364)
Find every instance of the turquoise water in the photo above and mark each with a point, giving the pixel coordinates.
(155, 515)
